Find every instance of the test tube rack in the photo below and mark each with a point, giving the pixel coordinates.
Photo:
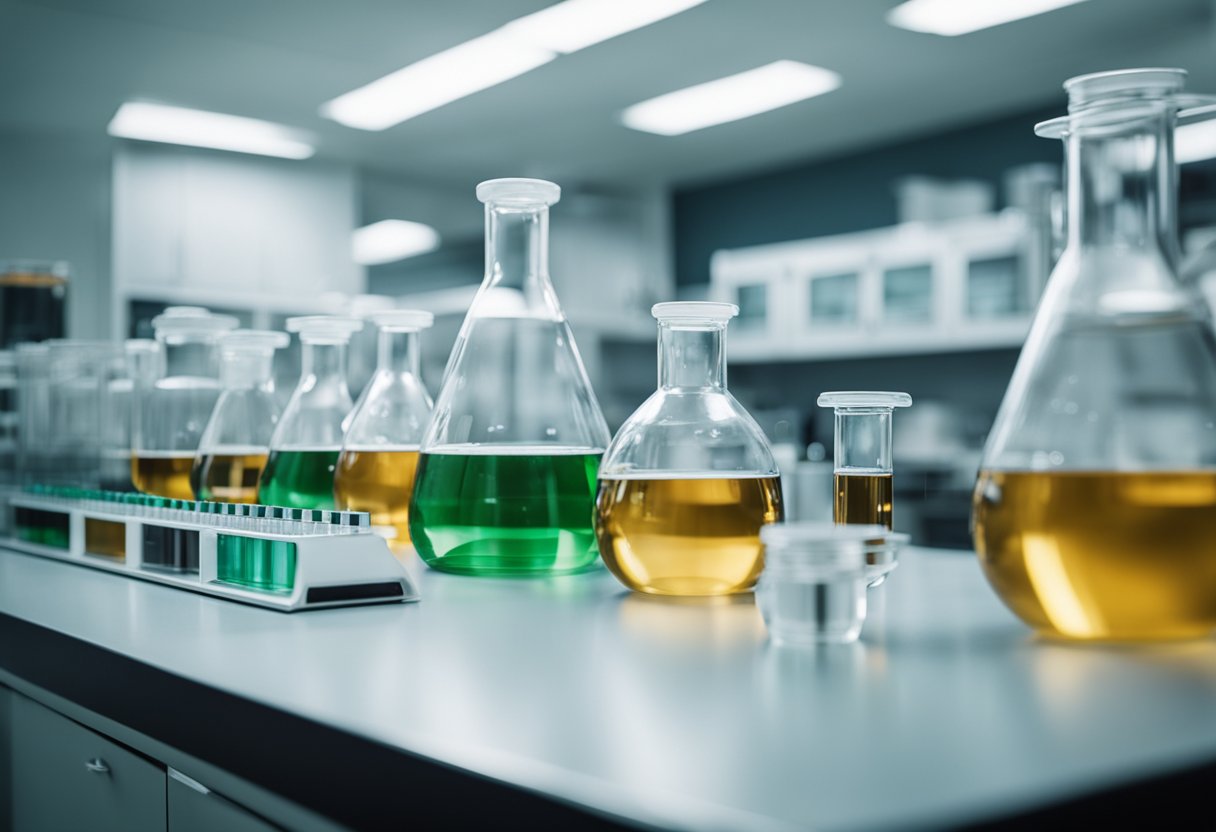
(286, 559)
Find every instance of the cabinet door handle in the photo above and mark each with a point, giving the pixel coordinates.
(97, 766)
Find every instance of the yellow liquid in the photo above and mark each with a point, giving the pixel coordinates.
(229, 477)
(105, 537)
(1102, 555)
(685, 536)
(165, 474)
(863, 499)
(380, 483)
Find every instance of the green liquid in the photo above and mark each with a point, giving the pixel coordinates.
(299, 479)
(266, 565)
(481, 514)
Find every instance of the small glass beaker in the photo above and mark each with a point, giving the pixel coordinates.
(380, 452)
(815, 579)
(689, 479)
(236, 442)
(171, 413)
(304, 449)
(864, 471)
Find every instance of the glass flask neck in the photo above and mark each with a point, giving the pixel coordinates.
(242, 370)
(323, 361)
(190, 358)
(1121, 184)
(692, 356)
(397, 352)
(863, 439)
(517, 244)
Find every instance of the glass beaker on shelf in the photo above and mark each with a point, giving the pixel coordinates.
(1095, 506)
(506, 476)
(170, 414)
(689, 479)
(236, 441)
(304, 449)
(380, 452)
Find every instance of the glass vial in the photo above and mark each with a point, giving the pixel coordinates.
(380, 452)
(236, 442)
(864, 471)
(689, 479)
(304, 448)
(506, 477)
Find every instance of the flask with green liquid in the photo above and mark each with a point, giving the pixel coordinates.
(507, 473)
(305, 446)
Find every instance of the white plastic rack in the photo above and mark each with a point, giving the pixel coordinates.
(284, 558)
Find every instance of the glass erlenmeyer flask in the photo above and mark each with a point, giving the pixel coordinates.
(506, 478)
(171, 413)
(305, 446)
(1095, 507)
(236, 442)
(380, 453)
(689, 478)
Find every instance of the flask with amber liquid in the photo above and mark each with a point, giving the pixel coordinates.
(1095, 507)
(689, 479)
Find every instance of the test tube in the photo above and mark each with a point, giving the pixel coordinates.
(863, 468)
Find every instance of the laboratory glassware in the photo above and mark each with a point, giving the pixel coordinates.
(506, 476)
(813, 588)
(170, 414)
(33, 295)
(380, 452)
(308, 439)
(689, 479)
(78, 377)
(1095, 504)
(864, 473)
(236, 441)
(138, 364)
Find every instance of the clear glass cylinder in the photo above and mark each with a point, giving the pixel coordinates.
(506, 476)
(864, 469)
(689, 479)
(380, 451)
(235, 444)
(171, 412)
(137, 365)
(304, 448)
(1095, 505)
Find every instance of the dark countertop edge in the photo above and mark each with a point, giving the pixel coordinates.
(352, 780)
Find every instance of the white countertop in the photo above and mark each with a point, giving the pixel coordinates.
(681, 714)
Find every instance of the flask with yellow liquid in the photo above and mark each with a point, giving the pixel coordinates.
(1095, 507)
(379, 457)
(689, 479)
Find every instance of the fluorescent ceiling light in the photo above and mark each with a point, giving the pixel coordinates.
(958, 17)
(1195, 142)
(199, 128)
(390, 240)
(432, 82)
(730, 98)
(576, 24)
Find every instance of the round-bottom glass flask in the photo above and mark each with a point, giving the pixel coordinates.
(689, 480)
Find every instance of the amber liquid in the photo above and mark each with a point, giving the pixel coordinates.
(863, 499)
(105, 537)
(381, 483)
(163, 473)
(1102, 555)
(695, 536)
(228, 477)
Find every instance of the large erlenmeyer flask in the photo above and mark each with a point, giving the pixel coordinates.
(506, 478)
(1095, 509)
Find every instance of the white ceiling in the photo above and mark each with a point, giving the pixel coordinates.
(65, 65)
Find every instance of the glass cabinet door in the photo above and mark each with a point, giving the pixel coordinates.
(994, 287)
(907, 294)
(834, 298)
(752, 299)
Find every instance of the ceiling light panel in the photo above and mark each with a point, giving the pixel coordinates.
(199, 128)
(728, 99)
(576, 24)
(432, 82)
(390, 240)
(959, 17)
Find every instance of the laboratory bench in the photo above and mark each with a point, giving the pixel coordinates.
(569, 703)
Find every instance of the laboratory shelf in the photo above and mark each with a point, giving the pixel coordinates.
(568, 703)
